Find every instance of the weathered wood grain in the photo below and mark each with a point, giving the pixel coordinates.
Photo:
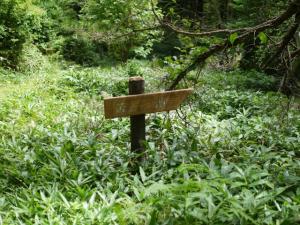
(144, 103)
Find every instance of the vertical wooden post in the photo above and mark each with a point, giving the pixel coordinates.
(137, 123)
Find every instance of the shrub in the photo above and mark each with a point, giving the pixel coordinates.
(12, 33)
(21, 22)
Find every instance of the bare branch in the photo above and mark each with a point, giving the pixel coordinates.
(202, 34)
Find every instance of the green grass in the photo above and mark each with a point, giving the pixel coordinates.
(229, 156)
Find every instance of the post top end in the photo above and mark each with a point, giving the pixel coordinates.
(136, 78)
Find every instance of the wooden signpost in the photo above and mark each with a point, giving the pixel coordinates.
(137, 104)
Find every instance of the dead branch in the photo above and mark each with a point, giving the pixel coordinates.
(202, 34)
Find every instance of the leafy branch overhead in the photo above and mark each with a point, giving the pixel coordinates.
(237, 37)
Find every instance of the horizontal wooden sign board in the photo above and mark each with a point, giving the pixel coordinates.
(144, 103)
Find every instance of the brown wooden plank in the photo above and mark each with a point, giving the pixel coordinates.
(144, 103)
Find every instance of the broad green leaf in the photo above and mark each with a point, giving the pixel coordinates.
(67, 204)
(143, 176)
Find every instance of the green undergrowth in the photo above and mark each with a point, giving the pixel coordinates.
(230, 155)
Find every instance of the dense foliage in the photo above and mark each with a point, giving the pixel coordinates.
(233, 158)
(12, 32)
(21, 24)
